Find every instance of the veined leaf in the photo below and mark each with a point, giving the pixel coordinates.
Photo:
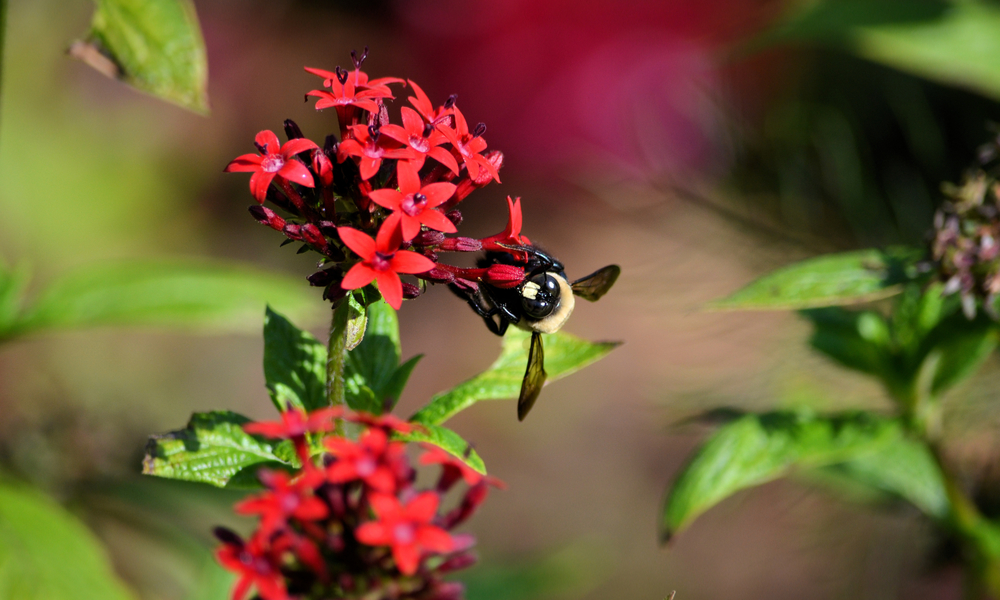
(564, 354)
(758, 448)
(47, 554)
(447, 440)
(829, 280)
(294, 365)
(187, 294)
(153, 45)
(214, 449)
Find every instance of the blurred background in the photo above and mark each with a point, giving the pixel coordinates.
(696, 144)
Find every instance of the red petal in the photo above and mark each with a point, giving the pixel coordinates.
(422, 508)
(412, 121)
(293, 147)
(321, 73)
(409, 180)
(438, 193)
(388, 198)
(358, 242)
(410, 262)
(473, 167)
(359, 276)
(342, 447)
(422, 103)
(435, 538)
(445, 158)
(391, 288)
(271, 429)
(259, 182)
(410, 225)
(385, 505)
(395, 132)
(390, 237)
(461, 126)
(268, 140)
(373, 534)
(241, 588)
(375, 440)
(341, 472)
(311, 509)
(433, 219)
(407, 558)
(297, 172)
(369, 166)
(382, 480)
(514, 217)
(244, 163)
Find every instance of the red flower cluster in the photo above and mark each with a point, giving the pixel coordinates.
(378, 202)
(352, 525)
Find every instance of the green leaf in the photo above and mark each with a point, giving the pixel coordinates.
(758, 448)
(187, 294)
(858, 340)
(373, 377)
(904, 470)
(953, 43)
(47, 554)
(962, 346)
(12, 286)
(447, 440)
(564, 354)
(294, 365)
(357, 322)
(214, 449)
(153, 45)
(829, 280)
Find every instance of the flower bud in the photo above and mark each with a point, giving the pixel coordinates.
(292, 130)
(311, 234)
(266, 216)
(504, 276)
(460, 244)
(428, 238)
(455, 217)
(323, 167)
(410, 292)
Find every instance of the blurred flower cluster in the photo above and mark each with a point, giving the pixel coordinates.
(966, 237)
(378, 202)
(352, 524)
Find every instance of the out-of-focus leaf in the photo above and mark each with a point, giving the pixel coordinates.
(564, 354)
(357, 322)
(570, 573)
(12, 285)
(950, 42)
(758, 448)
(373, 377)
(47, 554)
(903, 470)
(153, 45)
(187, 294)
(962, 346)
(214, 449)
(829, 280)
(856, 339)
(294, 365)
(447, 440)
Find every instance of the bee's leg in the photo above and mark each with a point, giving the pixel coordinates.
(483, 308)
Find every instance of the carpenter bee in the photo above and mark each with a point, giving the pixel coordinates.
(540, 302)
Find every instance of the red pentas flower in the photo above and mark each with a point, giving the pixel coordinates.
(369, 147)
(406, 528)
(252, 562)
(470, 145)
(414, 203)
(511, 235)
(371, 459)
(274, 161)
(381, 261)
(285, 499)
(294, 425)
(350, 89)
(422, 103)
(423, 138)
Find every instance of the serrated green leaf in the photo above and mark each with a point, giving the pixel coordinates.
(187, 294)
(903, 470)
(758, 448)
(154, 45)
(213, 449)
(373, 377)
(294, 365)
(829, 280)
(47, 554)
(564, 354)
(447, 440)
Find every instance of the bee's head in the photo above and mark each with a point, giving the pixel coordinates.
(540, 295)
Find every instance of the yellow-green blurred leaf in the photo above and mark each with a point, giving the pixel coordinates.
(47, 554)
(447, 440)
(153, 45)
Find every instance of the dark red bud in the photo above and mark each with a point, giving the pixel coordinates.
(504, 276)
(438, 276)
(228, 536)
(461, 244)
(323, 167)
(334, 292)
(410, 292)
(324, 278)
(292, 130)
(266, 216)
(292, 231)
(428, 238)
(458, 562)
(455, 217)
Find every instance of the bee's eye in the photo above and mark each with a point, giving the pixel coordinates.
(540, 296)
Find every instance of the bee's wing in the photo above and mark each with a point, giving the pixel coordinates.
(534, 377)
(595, 285)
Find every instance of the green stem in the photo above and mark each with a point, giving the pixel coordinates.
(337, 353)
